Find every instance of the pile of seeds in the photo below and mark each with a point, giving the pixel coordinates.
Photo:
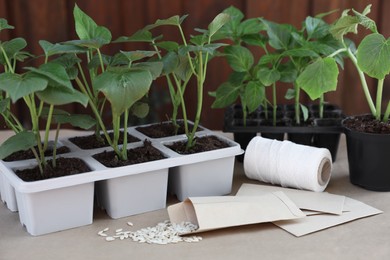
(162, 234)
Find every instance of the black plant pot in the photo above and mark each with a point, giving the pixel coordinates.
(329, 141)
(319, 133)
(243, 139)
(368, 158)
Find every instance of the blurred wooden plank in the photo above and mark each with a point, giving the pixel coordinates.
(39, 20)
(280, 11)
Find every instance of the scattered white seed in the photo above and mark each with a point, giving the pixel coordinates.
(162, 234)
(102, 234)
(109, 239)
(106, 229)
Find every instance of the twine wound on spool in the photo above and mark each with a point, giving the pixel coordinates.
(288, 164)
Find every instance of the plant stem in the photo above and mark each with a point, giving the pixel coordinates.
(200, 81)
(116, 126)
(172, 92)
(88, 92)
(7, 60)
(296, 105)
(379, 99)
(30, 102)
(337, 52)
(244, 111)
(387, 113)
(188, 54)
(363, 82)
(100, 59)
(124, 146)
(47, 129)
(96, 112)
(54, 164)
(321, 106)
(274, 104)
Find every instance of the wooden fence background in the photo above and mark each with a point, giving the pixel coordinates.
(52, 20)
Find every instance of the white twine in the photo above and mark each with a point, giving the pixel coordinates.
(288, 164)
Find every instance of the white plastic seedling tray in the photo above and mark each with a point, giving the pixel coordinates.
(100, 173)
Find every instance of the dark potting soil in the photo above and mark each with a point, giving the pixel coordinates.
(28, 154)
(141, 154)
(202, 144)
(162, 129)
(367, 124)
(91, 142)
(64, 167)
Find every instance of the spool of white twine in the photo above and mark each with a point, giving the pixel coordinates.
(288, 164)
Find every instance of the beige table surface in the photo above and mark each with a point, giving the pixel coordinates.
(367, 238)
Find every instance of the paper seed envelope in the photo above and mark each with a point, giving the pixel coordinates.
(217, 212)
(308, 200)
(315, 223)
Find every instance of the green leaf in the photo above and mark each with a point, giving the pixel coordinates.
(255, 39)
(123, 88)
(250, 26)
(183, 71)
(140, 109)
(61, 96)
(55, 73)
(373, 56)
(230, 28)
(290, 94)
(239, 58)
(12, 48)
(68, 61)
(92, 44)
(288, 72)
(268, 76)
(4, 105)
(207, 48)
(139, 36)
(22, 55)
(170, 62)
(87, 29)
(344, 25)
(254, 95)
(137, 55)
(173, 20)
(364, 20)
(154, 67)
(118, 59)
(168, 45)
(19, 142)
(52, 49)
(319, 77)
(18, 86)
(270, 58)
(4, 24)
(81, 121)
(217, 23)
(300, 52)
(316, 28)
(279, 34)
(235, 14)
(237, 78)
(305, 112)
(225, 95)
